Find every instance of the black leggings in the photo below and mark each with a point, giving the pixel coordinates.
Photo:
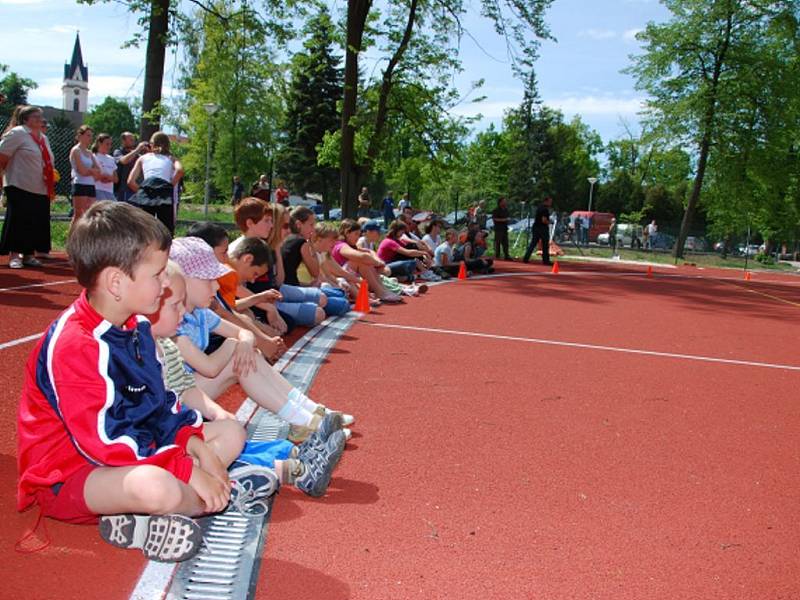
(163, 212)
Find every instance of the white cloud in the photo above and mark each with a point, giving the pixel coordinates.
(630, 35)
(21, 2)
(597, 105)
(598, 34)
(489, 109)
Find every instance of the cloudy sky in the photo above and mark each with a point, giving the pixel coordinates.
(579, 74)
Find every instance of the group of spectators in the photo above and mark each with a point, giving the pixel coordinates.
(145, 175)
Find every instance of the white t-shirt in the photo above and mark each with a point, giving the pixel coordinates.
(25, 165)
(157, 165)
(443, 254)
(432, 243)
(364, 244)
(107, 166)
(652, 228)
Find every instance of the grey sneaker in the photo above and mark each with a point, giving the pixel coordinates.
(253, 485)
(319, 466)
(164, 538)
(332, 422)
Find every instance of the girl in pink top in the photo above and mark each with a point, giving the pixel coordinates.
(365, 263)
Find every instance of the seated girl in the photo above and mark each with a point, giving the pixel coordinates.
(466, 251)
(401, 260)
(297, 251)
(363, 262)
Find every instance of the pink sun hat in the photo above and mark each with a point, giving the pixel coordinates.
(196, 258)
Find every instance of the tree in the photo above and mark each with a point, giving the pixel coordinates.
(312, 108)
(418, 35)
(233, 69)
(691, 67)
(111, 116)
(15, 89)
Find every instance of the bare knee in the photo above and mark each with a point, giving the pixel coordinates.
(323, 300)
(156, 490)
(319, 316)
(232, 436)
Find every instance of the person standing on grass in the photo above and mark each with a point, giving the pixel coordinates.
(238, 190)
(282, 195)
(500, 218)
(160, 173)
(104, 185)
(652, 232)
(125, 158)
(364, 203)
(26, 162)
(612, 237)
(85, 173)
(261, 189)
(541, 232)
(388, 209)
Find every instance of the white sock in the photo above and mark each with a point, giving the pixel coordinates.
(301, 399)
(293, 411)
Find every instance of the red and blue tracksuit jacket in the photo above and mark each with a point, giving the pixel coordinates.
(94, 394)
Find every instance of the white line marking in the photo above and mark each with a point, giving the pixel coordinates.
(512, 338)
(35, 285)
(21, 340)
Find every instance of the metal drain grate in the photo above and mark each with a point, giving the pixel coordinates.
(226, 568)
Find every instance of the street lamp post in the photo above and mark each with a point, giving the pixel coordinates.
(592, 181)
(211, 108)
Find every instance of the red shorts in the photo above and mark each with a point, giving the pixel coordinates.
(68, 503)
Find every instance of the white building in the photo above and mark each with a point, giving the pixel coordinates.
(76, 81)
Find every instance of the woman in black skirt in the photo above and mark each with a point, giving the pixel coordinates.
(159, 172)
(26, 161)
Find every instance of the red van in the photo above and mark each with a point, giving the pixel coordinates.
(600, 221)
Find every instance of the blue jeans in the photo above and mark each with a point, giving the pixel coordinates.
(403, 268)
(338, 304)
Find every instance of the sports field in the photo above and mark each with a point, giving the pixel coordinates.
(595, 433)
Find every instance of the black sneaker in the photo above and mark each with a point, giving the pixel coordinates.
(163, 538)
(319, 465)
(253, 485)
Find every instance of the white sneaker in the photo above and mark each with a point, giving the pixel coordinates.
(15, 263)
(409, 290)
(429, 276)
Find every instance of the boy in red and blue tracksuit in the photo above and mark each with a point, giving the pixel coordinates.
(99, 436)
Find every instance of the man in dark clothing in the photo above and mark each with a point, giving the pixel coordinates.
(238, 190)
(541, 231)
(500, 218)
(125, 157)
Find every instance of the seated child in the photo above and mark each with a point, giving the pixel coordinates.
(330, 273)
(303, 306)
(100, 437)
(254, 219)
(443, 256)
(308, 466)
(371, 236)
(363, 262)
(401, 260)
(296, 250)
(239, 312)
(236, 360)
(468, 252)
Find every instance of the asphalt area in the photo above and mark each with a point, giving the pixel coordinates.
(591, 434)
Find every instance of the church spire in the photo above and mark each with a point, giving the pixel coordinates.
(76, 69)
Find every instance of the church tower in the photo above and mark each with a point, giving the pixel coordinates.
(76, 81)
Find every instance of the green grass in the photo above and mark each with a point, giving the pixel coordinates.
(700, 260)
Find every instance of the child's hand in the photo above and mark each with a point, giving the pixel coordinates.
(244, 357)
(271, 296)
(214, 494)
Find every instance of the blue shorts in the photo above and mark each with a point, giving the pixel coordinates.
(266, 453)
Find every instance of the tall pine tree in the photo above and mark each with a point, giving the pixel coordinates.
(315, 90)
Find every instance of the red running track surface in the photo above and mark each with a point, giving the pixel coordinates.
(492, 468)
(486, 467)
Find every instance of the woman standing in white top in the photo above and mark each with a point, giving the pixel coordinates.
(104, 185)
(85, 172)
(161, 172)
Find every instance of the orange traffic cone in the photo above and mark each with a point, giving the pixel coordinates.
(362, 300)
(462, 270)
(747, 275)
(555, 268)
(650, 271)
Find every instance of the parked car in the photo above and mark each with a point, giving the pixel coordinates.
(662, 241)
(599, 222)
(750, 250)
(455, 218)
(627, 235)
(695, 244)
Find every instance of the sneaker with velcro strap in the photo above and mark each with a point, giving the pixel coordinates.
(331, 423)
(253, 486)
(163, 538)
(319, 465)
